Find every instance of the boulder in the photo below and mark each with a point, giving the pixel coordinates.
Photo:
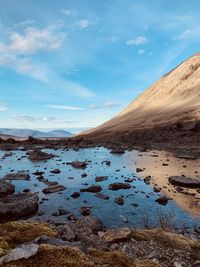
(117, 235)
(118, 186)
(92, 189)
(38, 155)
(162, 200)
(17, 206)
(75, 195)
(184, 181)
(53, 189)
(79, 164)
(6, 188)
(24, 251)
(21, 175)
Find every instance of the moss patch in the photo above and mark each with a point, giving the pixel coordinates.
(15, 233)
(167, 239)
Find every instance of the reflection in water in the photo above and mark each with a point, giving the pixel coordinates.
(165, 165)
(139, 201)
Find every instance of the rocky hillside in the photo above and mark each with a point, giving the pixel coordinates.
(87, 243)
(175, 98)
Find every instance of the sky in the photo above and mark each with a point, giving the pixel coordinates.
(77, 63)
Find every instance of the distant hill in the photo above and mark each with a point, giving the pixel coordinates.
(34, 133)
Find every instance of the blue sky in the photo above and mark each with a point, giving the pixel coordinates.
(76, 63)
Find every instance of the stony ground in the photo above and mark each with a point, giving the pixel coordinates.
(87, 243)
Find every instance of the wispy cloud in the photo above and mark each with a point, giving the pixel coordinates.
(109, 104)
(140, 40)
(141, 52)
(22, 118)
(63, 107)
(66, 12)
(83, 23)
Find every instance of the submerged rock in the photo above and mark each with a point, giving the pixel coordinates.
(85, 211)
(101, 178)
(17, 206)
(6, 188)
(118, 186)
(119, 200)
(102, 196)
(53, 189)
(184, 181)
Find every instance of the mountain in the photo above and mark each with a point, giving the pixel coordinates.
(174, 99)
(34, 133)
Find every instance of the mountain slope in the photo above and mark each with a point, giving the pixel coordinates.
(174, 98)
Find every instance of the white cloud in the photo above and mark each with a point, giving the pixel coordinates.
(141, 52)
(3, 107)
(34, 40)
(113, 39)
(66, 12)
(64, 107)
(48, 119)
(140, 40)
(83, 23)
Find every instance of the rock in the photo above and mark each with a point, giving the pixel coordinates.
(6, 188)
(75, 195)
(162, 200)
(139, 170)
(22, 175)
(119, 200)
(102, 196)
(38, 173)
(72, 218)
(62, 212)
(17, 206)
(117, 235)
(92, 189)
(55, 242)
(85, 211)
(53, 189)
(118, 186)
(38, 155)
(24, 251)
(79, 164)
(101, 178)
(107, 162)
(117, 151)
(55, 171)
(129, 180)
(66, 233)
(184, 181)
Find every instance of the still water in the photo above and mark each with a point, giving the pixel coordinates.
(139, 201)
